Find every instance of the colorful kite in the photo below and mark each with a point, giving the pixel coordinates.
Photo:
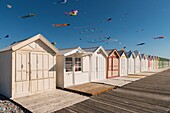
(141, 44)
(159, 37)
(63, 1)
(60, 25)
(9, 6)
(28, 16)
(72, 13)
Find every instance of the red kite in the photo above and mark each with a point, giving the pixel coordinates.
(60, 25)
(159, 37)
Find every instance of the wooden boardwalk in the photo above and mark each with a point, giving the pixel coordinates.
(90, 88)
(50, 101)
(148, 95)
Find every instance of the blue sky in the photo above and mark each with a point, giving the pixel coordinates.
(149, 17)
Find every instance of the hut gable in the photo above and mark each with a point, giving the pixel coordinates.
(72, 51)
(130, 54)
(137, 53)
(113, 53)
(36, 43)
(122, 54)
(143, 56)
(150, 57)
(96, 50)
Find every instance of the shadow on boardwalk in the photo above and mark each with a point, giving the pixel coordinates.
(147, 95)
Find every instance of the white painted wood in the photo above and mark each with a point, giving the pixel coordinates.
(137, 64)
(31, 68)
(99, 64)
(144, 64)
(22, 74)
(123, 65)
(6, 85)
(43, 41)
(131, 65)
(93, 67)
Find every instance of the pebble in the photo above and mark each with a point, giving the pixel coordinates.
(7, 106)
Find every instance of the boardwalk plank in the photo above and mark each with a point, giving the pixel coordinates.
(138, 106)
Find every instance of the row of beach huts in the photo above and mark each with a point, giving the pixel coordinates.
(34, 65)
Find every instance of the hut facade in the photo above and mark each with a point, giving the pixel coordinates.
(144, 62)
(130, 62)
(98, 61)
(137, 62)
(73, 67)
(123, 63)
(155, 62)
(150, 62)
(28, 67)
(112, 63)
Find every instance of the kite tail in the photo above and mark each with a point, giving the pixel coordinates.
(66, 13)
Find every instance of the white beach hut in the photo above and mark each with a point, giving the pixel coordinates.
(131, 62)
(144, 62)
(28, 67)
(99, 58)
(123, 63)
(137, 62)
(155, 61)
(150, 62)
(73, 67)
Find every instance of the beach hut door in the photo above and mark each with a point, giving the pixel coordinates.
(22, 73)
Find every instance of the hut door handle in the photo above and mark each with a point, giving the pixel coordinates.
(22, 66)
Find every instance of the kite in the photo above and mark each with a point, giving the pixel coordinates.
(53, 43)
(60, 25)
(72, 13)
(108, 38)
(159, 37)
(141, 44)
(89, 31)
(99, 40)
(28, 16)
(139, 30)
(63, 1)
(7, 36)
(109, 19)
(95, 24)
(95, 41)
(124, 47)
(9, 6)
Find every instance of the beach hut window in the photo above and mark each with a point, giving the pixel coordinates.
(69, 64)
(78, 64)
